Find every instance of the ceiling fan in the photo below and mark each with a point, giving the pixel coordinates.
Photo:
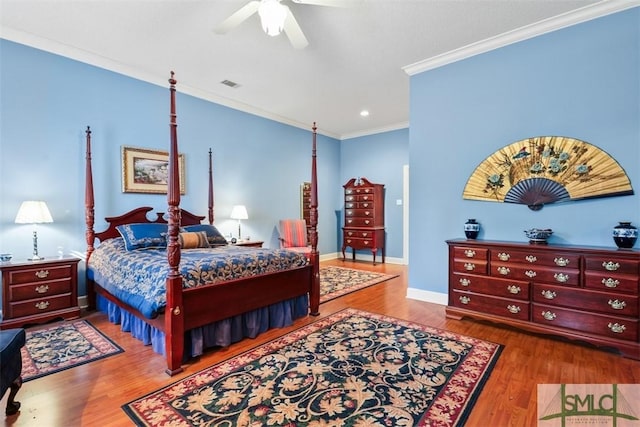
(274, 17)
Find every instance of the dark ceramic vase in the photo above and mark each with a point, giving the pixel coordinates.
(471, 229)
(625, 235)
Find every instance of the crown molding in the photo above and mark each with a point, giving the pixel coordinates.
(587, 13)
(397, 126)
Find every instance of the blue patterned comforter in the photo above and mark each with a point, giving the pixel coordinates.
(138, 277)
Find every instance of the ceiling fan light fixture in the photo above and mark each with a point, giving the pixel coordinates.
(272, 16)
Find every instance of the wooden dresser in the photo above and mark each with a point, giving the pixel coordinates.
(582, 293)
(39, 291)
(363, 217)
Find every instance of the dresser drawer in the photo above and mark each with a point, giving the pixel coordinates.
(358, 222)
(40, 305)
(359, 213)
(470, 253)
(40, 274)
(490, 286)
(602, 302)
(39, 290)
(359, 234)
(564, 276)
(611, 282)
(612, 265)
(600, 324)
(513, 309)
(560, 260)
(357, 243)
(474, 266)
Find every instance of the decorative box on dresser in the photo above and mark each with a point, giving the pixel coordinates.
(39, 291)
(583, 293)
(363, 217)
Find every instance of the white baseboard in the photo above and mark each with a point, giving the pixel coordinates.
(427, 296)
(83, 302)
(362, 257)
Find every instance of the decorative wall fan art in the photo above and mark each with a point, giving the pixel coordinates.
(547, 169)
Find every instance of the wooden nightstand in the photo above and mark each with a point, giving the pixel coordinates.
(252, 243)
(39, 291)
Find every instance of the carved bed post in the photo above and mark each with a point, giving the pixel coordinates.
(174, 313)
(89, 216)
(314, 295)
(210, 189)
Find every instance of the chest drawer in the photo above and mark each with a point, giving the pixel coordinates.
(611, 282)
(40, 305)
(39, 274)
(39, 290)
(612, 265)
(474, 266)
(564, 276)
(513, 309)
(602, 302)
(558, 260)
(470, 253)
(495, 287)
(600, 324)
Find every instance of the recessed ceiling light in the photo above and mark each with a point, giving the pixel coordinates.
(364, 113)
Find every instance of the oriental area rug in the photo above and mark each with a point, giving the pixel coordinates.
(352, 368)
(61, 346)
(338, 281)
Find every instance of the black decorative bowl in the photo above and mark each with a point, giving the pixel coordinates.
(538, 235)
(5, 257)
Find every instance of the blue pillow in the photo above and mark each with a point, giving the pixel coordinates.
(143, 236)
(214, 237)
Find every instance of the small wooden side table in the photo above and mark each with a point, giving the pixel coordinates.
(39, 291)
(251, 243)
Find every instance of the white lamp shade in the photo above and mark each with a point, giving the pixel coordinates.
(33, 212)
(239, 212)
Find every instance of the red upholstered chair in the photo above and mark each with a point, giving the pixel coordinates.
(293, 235)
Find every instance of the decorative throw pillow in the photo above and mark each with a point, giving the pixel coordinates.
(193, 240)
(214, 237)
(143, 236)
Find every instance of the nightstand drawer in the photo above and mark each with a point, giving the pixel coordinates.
(40, 273)
(39, 290)
(40, 305)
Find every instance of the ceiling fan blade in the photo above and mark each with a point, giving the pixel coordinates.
(237, 17)
(294, 32)
(331, 3)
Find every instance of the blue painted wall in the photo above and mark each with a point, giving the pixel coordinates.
(46, 103)
(582, 82)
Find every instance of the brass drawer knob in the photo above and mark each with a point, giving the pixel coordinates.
(561, 262)
(42, 305)
(504, 270)
(470, 253)
(513, 289)
(530, 273)
(616, 327)
(548, 315)
(42, 289)
(617, 304)
(42, 274)
(469, 266)
(610, 283)
(531, 258)
(560, 277)
(549, 294)
(502, 256)
(513, 309)
(465, 282)
(610, 265)
(464, 299)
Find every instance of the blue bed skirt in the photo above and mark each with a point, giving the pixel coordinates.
(216, 334)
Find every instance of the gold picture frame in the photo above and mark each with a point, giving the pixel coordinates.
(146, 171)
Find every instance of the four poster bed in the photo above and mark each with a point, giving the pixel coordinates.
(180, 295)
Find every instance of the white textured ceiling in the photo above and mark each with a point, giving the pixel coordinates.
(354, 60)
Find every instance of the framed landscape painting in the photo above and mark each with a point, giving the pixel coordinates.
(147, 171)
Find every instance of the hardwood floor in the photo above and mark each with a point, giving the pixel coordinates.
(92, 394)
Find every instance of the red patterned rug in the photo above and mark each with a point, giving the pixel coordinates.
(62, 346)
(338, 281)
(351, 368)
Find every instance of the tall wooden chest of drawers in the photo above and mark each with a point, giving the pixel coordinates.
(363, 217)
(588, 294)
(39, 291)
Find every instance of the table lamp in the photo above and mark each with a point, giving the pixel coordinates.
(239, 212)
(34, 212)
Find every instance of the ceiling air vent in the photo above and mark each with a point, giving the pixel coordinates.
(230, 83)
